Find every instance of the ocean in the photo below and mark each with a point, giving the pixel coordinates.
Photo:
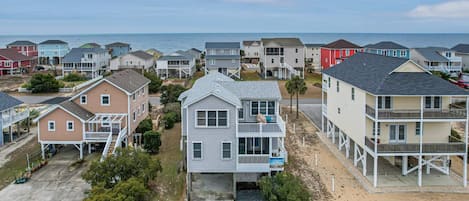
(170, 42)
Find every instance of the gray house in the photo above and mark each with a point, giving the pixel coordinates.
(282, 58)
(233, 129)
(223, 57)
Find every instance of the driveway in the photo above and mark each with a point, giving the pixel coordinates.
(313, 112)
(286, 101)
(58, 180)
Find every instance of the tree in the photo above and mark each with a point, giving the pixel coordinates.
(173, 107)
(155, 82)
(291, 91)
(43, 83)
(283, 186)
(73, 77)
(170, 93)
(296, 86)
(152, 141)
(144, 126)
(132, 189)
(169, 119)
(123, 165)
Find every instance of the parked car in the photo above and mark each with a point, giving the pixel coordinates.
(39, 68)
(463, 80)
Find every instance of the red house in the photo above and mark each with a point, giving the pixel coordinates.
(337, 51)
(12, 62)
(24, 47)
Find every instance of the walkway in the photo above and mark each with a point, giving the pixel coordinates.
(9, 148)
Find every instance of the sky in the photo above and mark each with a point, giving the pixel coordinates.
(42, 17)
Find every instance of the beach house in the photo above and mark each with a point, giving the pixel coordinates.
(232, 130)
(117, 49)
(462, 50)
(338, 51)
(223, 57)
(24, 47)
(252, 49)
(388, 48)
(90, 45)
(106, 113)
(51, 52)
(282, 58)
(437, 59)
(133, 60)
(176, 65)
(12, 112)
(12, 62)
(313, 55)
(90, 62)
(393, 120)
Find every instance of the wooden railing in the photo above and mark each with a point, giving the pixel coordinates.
(451, 113)
(450, 147)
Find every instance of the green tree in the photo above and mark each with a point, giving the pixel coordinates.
(123, 165)
(155, 82)
(170, 93)
(152, 141)
(132, 189)
(296, 86)
(291, 91)
(44, 83)
(74, 77)
(144, 126)
(283, 187)
(170, 119)
(173, 107)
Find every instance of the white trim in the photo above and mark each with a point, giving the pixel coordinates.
(61, 142)
(52, 109)
(259, 107)
(109, 99)
(231, 150)
(206, 95)
(48, 125)
(201, 150)
(216, 117)
(73, 125)
(86, 99)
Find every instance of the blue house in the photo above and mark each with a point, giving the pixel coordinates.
(116, 49)
(388, 48)
(50, 52)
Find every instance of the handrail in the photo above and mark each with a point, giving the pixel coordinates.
(119, 139)
(106, 148)
(451, 113)
(450, 147)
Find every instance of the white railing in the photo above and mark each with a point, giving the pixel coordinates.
(14, 117)
(119, 139)
(106, 148)
(290, 68)
(324, 108)
(91, 135)
(277, 127)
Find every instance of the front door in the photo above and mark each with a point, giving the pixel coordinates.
(115, 128)
(397, 133)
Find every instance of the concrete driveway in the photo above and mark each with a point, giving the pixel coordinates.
(58, 180)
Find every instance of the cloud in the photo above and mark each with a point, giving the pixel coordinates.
(448, 9)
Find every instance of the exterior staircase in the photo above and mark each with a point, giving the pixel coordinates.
(112, 145)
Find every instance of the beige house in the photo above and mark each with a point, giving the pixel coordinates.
(396, 115)
(133, 60)
(282, 58)
(106, 112)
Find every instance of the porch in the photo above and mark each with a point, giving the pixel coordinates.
(451, 113)
(270, 128)
(453, 146)
(101, 126)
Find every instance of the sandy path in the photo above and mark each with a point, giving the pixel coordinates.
(6, 151)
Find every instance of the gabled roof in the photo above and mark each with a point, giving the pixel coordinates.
(283, 42)
(376, 74)
(53, 42)
(75, 109)
(117, 44)
(179, 55)
(386, 45)
(22, 43)
(433, 53)
(314, 44)
(341, 43)
(153, 50)
(6, 101)
(251, 42)
(75, 55)
(127, 80)
(90, 45)
(461, 48)
(142, 55)
(13, 55)
(195, 50)
(222, 45)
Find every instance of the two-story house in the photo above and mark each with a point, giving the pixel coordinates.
(12, 62)
(133, 60)
(24, 47)
(282, 58)
(223, 57)
(51, 52)
(462, 50)
(176, 65)
(106, 112)
(11, 112)
(388, 48)
(90, 62)
(252, 49)
(90, 45)
(117, 49)
(313, 55)
(437, 59)
(338, 51)
(393, 118)
(232, 128)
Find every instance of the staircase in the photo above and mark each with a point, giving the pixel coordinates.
(293, 71)
(113, 141)
(112, 146)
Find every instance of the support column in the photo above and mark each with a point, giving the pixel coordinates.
(375, 157)
(405, 164)
(81, 151)
(428, 165)
(333, 134)
(89, 148)
(43, 152)
(10, 131)
(365, 156)
(234, 186)
(355, 162)
(347, 146)
(375, 171)
(420, 143)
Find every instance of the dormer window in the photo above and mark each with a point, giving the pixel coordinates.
(448, 54)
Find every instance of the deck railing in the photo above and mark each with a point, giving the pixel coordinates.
(451, 113)
(98, 135)
(253, 159)
(277, 127)
(450, 147)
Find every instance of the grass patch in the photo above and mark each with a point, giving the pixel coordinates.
(171, 182)
(313, 78)
(250, 75)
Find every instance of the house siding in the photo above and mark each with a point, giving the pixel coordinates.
(60, 134)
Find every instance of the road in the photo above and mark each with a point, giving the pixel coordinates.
(313, 112)
(301, 101)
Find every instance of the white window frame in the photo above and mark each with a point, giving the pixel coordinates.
(266, 108)
(109, 99)
(73, 126)
(201, 150)
(206, 118)
(212, 61)
(394, 53)
(81, 99)
(231, 150)
(105, 123)
(432, 103)
(403, 53)
(48, 125)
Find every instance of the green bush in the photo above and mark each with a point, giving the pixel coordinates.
(144, 126)
(155, 82)
(455, 137)
(173, 107)
(74, 77)
(170, 93)
(132, 189)
(169, 119)
(152, 141)
(283, 186)
(44, 83)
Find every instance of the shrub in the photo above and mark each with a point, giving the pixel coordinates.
(130, 190)
(155, 82)
(144, 126)
(152, 141)
(169, 119)
(170, 93)
(173, 107)
(74, 77)
(44, 83)
(283, 186)
(455, 137)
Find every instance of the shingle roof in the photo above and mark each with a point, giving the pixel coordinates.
(253, 89)
(90, 45)
(433, 53)
(13, 54)
(195, 49)
(142, 55)
(6, 101)
(52, 42)
(75, 109)
(21, 43)
(222, 45)
(341, 43)
(177, 56)
(117, 44)
(386, 45)
(314, 44)
(374, 73)
(251, 42)
(75, 55)
(284, 42)
(461, 48)
(129, 80)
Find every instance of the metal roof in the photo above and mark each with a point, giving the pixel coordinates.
(72, 107)
(433, 53)
(52, 42)
(341, 43)
(461, 48)
(76, 54)
(22, 43)
(13, 55)
(117, 44)
(142, 55)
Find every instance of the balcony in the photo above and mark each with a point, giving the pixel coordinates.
(14, 117)
(263, 129)
(451, 113)
(453, 146)
(79, 68)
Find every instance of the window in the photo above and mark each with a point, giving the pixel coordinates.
(329, 81)
(418, 127)
(70, 126)
(262, 107)
(296, 60)
(254, 108)
(253, 146)
(448, 54)
(197, 150)
(83, 99)
(143, 107)
(384, 102)
(212, 118)
(347, 53)
(201, 120)
(212, 61)
(134, 116)
(105, 99)
(222, 118)
(51, 125)
(403, 53)
(379, 128)
(272, 60)
(394, 53)
(133, 97)
(338, 87)
(271, 107)
(432, 102)
(241, 113)
(296, 50)
(242, 145)
(226, 150)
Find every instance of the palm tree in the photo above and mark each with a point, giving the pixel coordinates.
(296, 86)
(291, 90)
